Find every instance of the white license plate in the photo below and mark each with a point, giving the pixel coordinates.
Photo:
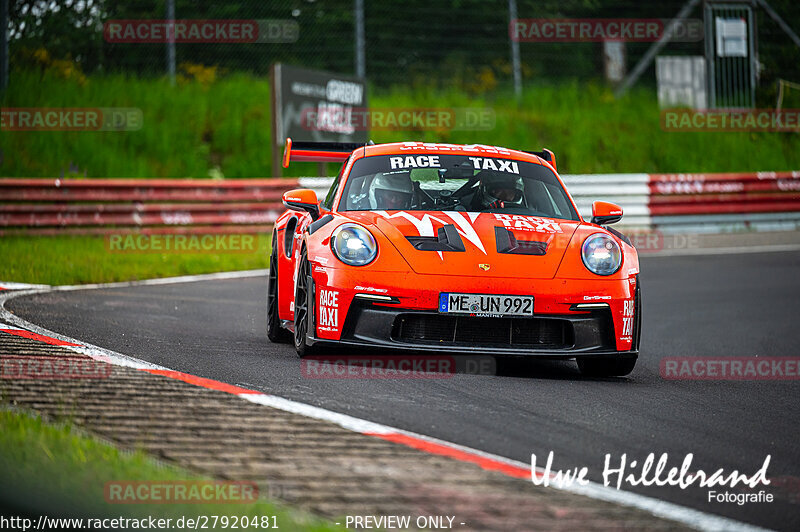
(485, 304)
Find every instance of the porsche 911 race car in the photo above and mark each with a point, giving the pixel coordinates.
(445, 248)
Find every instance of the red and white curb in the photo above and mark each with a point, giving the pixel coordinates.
(16, 331)
(512, 468)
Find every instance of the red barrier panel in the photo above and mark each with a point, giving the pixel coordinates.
(139, 195)
(271, 182)
(727, 193)
(143, 190)
(725, 208)
(89, 206)
(714, 187)
(131, 207)
(725, 176)
(673, 199)
(145, 219)
(173, 230)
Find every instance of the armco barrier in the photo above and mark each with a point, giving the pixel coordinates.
(725, 202)
(100, 206)
(668, 202)
(683, 202)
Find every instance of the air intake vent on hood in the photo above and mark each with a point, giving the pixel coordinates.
(508, 243)
(448, 239)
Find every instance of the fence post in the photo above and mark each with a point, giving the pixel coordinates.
(515, 61)
(361, 69)
(4, 46)
(171, 41)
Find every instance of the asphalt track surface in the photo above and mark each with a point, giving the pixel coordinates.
(718, 305)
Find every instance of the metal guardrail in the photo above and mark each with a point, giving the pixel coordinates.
(101, 206)
(724, 202)
(668, 202)
(682, 202)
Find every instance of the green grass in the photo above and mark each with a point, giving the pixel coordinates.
(195, 130)
(57, 471)
(59, 260)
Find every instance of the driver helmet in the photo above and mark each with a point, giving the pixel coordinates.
(391, 191)
(496, 187)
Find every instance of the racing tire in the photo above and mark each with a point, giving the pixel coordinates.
(275, 332)
(303, 308)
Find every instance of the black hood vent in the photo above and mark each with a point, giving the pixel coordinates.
(448, 239)
(508, 243)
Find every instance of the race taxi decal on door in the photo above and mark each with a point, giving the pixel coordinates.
(328, 310)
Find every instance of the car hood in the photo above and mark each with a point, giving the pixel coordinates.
(486, 249)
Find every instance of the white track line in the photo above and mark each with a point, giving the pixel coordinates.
(93, 351)
(20, 286)
(674, 512)
(168, 280)
(722, 251)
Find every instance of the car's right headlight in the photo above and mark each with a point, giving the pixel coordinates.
(354, 245)
(601, 254)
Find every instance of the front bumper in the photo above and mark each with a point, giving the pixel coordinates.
(412, 321)
(369, 327)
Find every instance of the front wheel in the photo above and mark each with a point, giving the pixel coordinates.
(303, 307)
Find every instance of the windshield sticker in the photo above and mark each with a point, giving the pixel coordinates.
(486, 163)
(432, 161)
(418, 161)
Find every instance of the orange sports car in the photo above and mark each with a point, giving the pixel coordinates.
(452, 248)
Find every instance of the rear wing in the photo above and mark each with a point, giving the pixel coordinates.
(322, 152)
(547, 155)
(325, 152)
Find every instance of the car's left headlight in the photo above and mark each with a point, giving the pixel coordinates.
(601, 254)
(354, 245)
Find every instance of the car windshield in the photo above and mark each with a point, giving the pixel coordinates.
(435, 182)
